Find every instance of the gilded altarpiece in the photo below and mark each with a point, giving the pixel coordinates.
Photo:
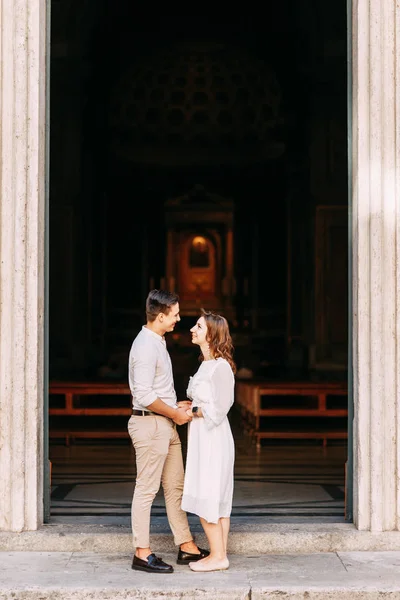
(199, 265)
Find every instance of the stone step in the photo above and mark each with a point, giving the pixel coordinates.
(244, 539)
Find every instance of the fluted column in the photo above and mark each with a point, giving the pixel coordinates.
(22, 181)
(376, 270)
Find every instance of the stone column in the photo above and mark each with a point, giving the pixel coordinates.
(376, 271)
(22, 223)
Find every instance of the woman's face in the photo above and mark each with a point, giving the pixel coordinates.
(199, 332)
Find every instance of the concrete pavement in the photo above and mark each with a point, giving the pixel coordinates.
(96, 576)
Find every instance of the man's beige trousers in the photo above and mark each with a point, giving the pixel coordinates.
(158, 461)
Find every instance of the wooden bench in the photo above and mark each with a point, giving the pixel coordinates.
(311, 400)
(72, 393)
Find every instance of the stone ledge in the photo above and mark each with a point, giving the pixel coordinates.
(195, 593)
(246, 539)
(96, 576)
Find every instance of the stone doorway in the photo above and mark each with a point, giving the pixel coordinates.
(374, 220)
(200, 136)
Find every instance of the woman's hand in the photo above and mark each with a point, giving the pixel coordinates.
(189, 412)
(184, 404)
(181, 417)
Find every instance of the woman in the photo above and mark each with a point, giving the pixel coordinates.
(208, 488)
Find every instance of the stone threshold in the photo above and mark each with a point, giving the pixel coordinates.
(249, 539)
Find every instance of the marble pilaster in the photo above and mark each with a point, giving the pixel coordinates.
(22, 227)
(376, 268)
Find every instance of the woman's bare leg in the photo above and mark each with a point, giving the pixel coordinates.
(217, 559)
(225, 524)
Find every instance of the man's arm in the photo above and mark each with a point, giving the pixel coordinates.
(178, 415)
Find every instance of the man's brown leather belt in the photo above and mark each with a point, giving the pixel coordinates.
(145, 413)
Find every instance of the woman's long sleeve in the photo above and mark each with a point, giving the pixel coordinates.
(222, 396)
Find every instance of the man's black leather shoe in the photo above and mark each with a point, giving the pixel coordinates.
(153, 564)
(184, 558)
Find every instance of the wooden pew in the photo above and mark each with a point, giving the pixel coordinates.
(72, 392)
(310, 401)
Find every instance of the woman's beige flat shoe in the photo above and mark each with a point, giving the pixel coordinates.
(201, 567)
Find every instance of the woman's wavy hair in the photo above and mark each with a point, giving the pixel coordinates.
(219, 337)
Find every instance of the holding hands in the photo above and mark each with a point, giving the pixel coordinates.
(182, 413)
(184, 404)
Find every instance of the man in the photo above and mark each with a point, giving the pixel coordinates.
(155, 439)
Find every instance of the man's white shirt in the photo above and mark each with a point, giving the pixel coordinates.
(150, 371)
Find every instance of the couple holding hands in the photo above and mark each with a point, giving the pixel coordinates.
(206, 486)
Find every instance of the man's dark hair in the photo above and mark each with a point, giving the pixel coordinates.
(159, 301)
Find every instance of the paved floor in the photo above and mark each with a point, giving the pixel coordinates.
(288, 498)
(284, 482)
(325, 576)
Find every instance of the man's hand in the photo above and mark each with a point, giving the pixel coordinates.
(180, 416)
(184, 404)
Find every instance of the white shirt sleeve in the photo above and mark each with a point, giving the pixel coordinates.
(222, 397)
(142, 370)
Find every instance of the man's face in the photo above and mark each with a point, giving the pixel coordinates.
(171, 319)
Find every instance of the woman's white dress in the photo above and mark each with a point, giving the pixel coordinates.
(208, 488)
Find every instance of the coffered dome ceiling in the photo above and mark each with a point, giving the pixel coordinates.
(197, 104)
